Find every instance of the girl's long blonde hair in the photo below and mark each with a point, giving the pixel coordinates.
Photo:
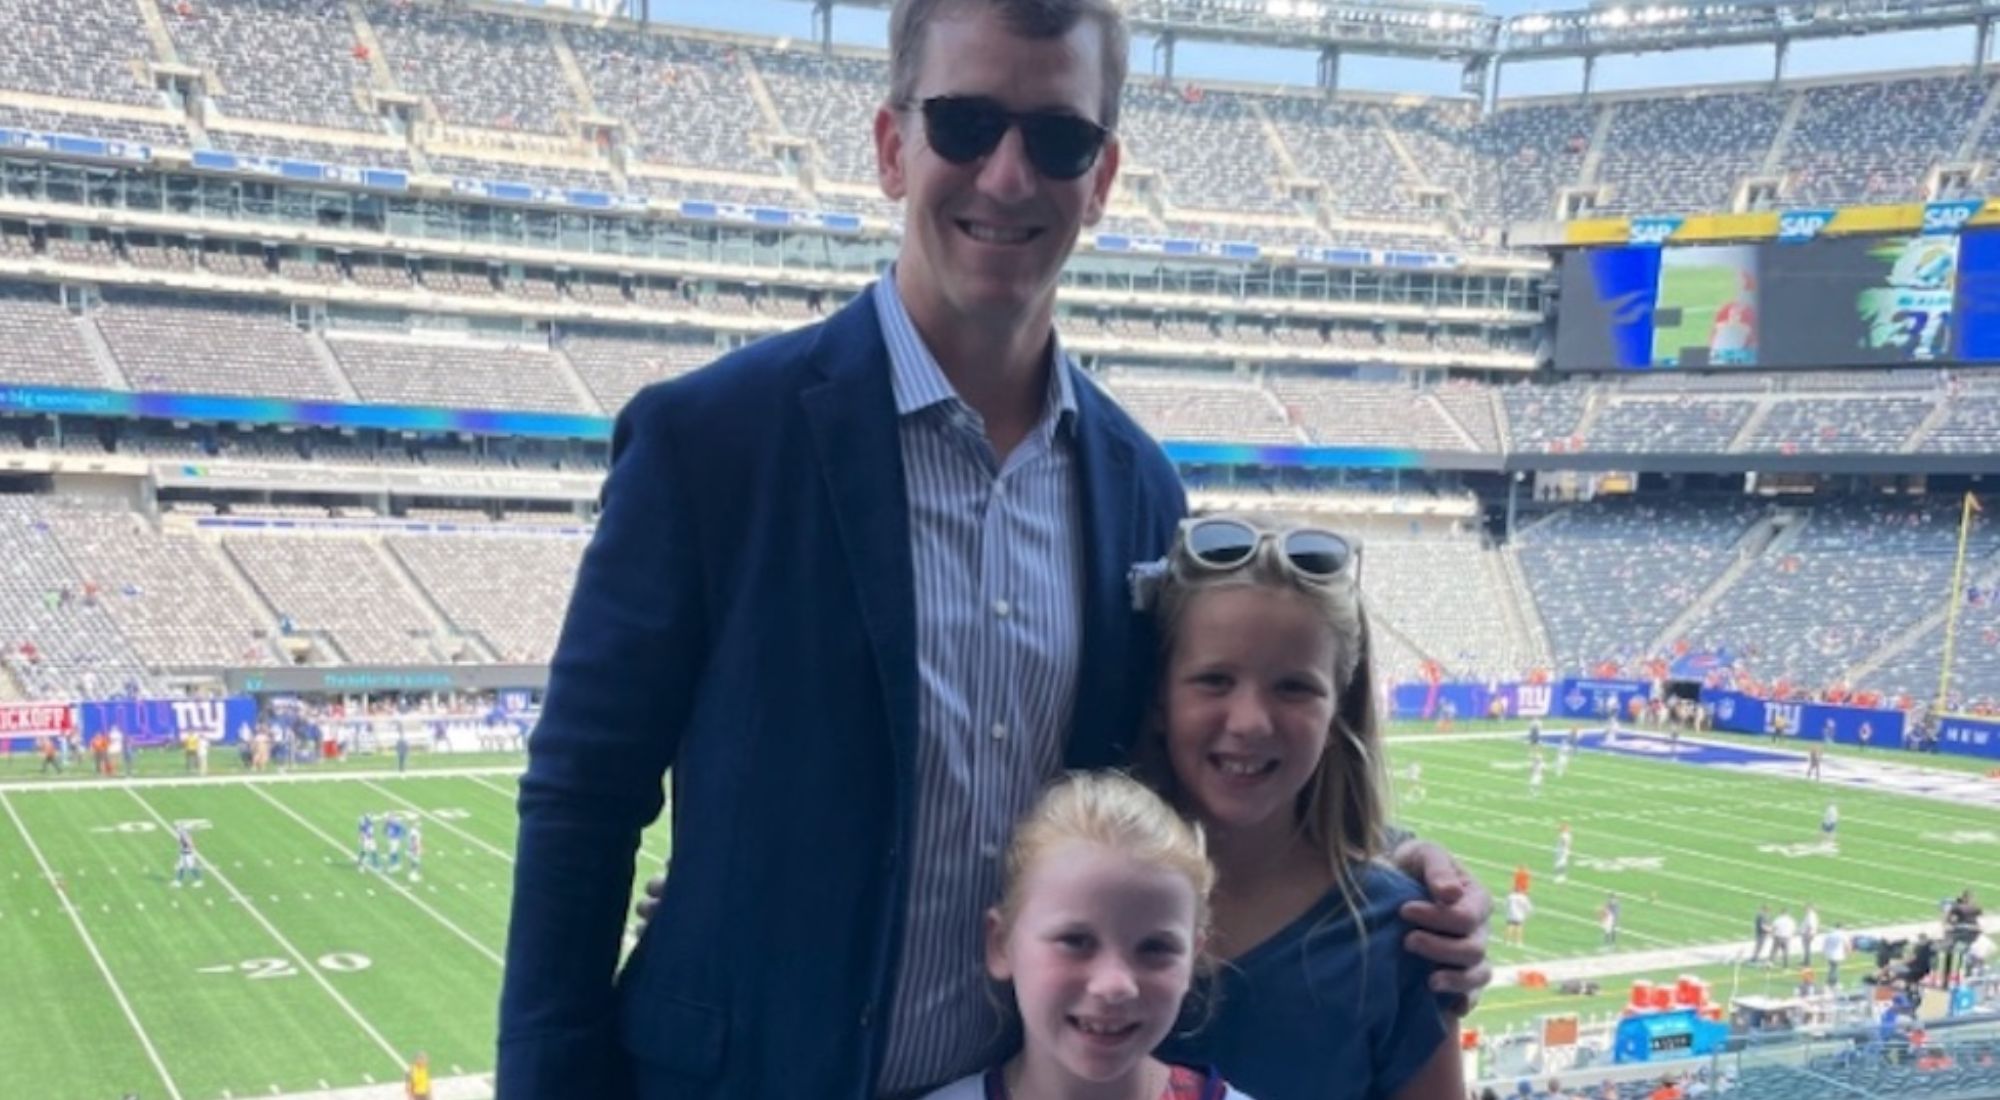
(1343, 810)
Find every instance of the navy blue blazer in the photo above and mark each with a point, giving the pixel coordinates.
(746, 617)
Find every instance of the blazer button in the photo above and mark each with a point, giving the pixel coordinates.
(867, 1015)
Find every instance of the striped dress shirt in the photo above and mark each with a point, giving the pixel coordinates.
(998, 562)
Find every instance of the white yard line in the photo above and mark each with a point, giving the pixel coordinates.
(305, 965)
(1786, 868)
(104, 968)
(472, 1086)
(303, 775)
(391, 883)
(659, 860)
(1633, 962)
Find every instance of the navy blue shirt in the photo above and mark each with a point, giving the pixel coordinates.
(1323, 1009)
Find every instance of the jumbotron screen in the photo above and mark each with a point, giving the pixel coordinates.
(1832, 302)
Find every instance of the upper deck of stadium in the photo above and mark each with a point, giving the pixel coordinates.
(558, 99)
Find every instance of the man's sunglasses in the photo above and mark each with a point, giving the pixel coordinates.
(1223, 545)
(963, 129)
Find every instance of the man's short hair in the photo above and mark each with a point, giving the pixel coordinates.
(910, 23)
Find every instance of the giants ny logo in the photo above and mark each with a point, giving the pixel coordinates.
(1790, 712)
(1532, 700)
(207, 717)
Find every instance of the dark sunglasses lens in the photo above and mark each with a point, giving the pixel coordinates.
(963, 130)
(1317, 553)
(1062, 147)
(1220, 542)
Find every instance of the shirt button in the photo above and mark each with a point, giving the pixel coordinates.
(999, 731)
(999, 487)
(990, 850)
(1002, 608)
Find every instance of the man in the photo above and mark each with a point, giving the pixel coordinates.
(1833, 949)
(187, 866)
(1782, 931)
(1519, 909)
(1809, 930)
(1763, 929)
(1962, 930)
(863, 587)
(1607, 919)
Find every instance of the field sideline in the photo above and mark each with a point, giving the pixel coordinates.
(292, 972)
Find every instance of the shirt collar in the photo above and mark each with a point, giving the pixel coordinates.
(918, 381)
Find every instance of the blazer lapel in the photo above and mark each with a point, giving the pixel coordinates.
(1104, 719)
(851, 415)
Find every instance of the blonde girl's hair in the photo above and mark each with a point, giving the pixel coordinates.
(1343, 810)
(1116, 812)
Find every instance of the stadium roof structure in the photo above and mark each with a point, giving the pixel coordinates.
(1448, 30)
(1620, 28)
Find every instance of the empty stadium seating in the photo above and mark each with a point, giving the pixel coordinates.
(509, 590)
(1676, 155)
(617, 366)
(244, 41)
(682, 97)
(481, 69)
(168, 597)
(57, 643)
(401, 372)
(76, 48)
(1819, 601)
(41, 340)
(1609, 576)
(1200, 406)
(342, 587)
(169, 344)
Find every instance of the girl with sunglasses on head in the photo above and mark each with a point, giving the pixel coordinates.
(1266, 736)
(1097, 938)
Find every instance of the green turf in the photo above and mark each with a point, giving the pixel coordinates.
(285, 900)
(156, 762)
(1698, 292)
(1899, 855)
(288, 969)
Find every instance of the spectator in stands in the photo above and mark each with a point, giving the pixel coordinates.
(1834, 948)
(1783, 929)
(776, 605)
(1961, 924)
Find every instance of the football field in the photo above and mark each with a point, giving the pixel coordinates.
(1692, 846)
(291, 971)
(288, 970)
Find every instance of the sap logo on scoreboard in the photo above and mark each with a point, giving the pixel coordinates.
(1950, 217)
(1532, 700)
(1653, 231)
(1790, 712)
(1795, 226)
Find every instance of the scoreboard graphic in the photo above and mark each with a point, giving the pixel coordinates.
(1855, 301)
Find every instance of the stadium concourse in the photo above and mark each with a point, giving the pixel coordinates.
(313, 315)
